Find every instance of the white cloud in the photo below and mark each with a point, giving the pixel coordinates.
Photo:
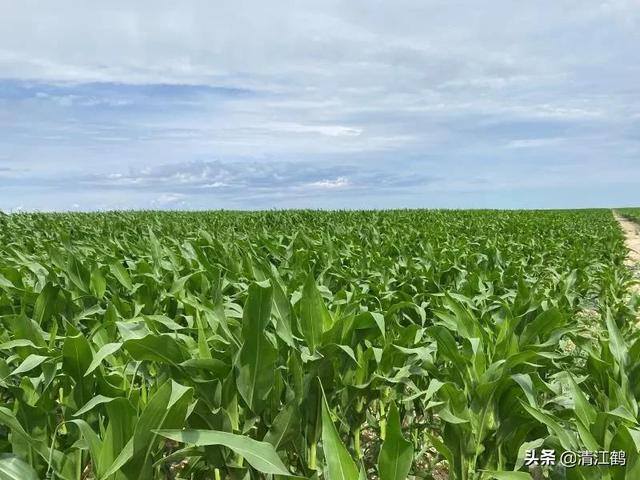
(237, 177)
(339, 182)
(534, 142)
(170, 199)
(327, 130)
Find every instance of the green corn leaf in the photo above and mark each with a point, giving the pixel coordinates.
(255, 364)
(78, 274)
(340, 464)
(93, 442)
(104, 352)
(98, 283)
(13, 468)
(155, 348)
(257, 310)
(117, 441)
(541, 325)
(121, 274)
(166, 409)
(566, 440)
(282, 310)
(284, 426)
(5, 282)
(45, 304)
(29, 363)
(616, 341)
(102, 400)
(584, 410)
(124, 457)
(396, 454)
(522, 451)
(313, 314)
(447, 347)
(260, 455)
(76, 356)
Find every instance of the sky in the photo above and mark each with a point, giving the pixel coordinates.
(248, 104)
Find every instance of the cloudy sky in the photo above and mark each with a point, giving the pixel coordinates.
(249, 104)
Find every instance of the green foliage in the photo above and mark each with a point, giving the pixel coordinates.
(326, 345)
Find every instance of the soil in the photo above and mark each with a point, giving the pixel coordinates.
(632, 238)
(632, 241)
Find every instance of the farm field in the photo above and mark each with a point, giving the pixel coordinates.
(333, 345)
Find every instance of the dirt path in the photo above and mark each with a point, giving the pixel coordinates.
(632, 239)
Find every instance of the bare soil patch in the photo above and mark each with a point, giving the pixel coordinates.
(632, 238)
(632, 241)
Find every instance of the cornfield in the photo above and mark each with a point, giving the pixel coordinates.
(320, 345)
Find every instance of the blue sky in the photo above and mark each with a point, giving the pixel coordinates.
(320, 104)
